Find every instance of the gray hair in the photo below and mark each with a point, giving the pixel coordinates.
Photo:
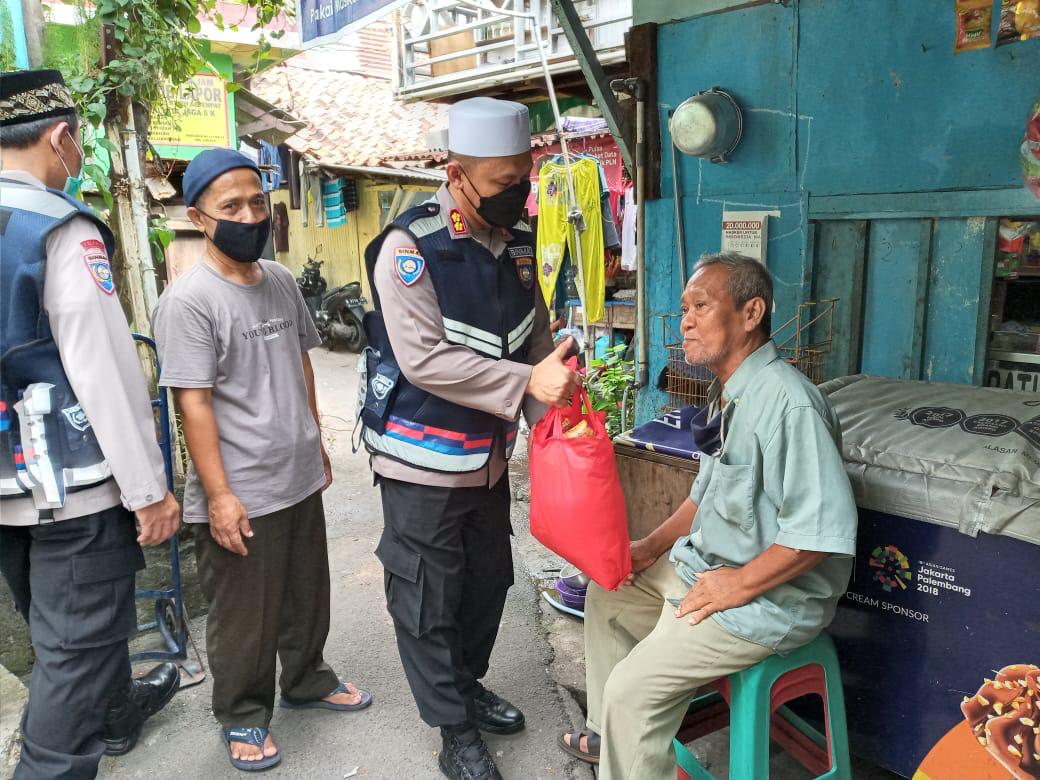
(748, 279)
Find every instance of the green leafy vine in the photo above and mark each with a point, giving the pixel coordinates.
(129, 53)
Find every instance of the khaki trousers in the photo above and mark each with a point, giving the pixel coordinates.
(643, 667)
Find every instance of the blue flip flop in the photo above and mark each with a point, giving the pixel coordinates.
(250, 736)
(321, 704)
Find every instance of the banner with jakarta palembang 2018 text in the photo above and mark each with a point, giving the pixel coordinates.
(324, 21)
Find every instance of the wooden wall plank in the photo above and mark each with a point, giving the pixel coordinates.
(955, 309)
(896, 294)
(840, 254)
(1017, 201)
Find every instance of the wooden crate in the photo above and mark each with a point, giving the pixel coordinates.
(654, 485)
(449, 45)
(616, 316)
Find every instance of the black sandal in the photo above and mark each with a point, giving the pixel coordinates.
(574, 748)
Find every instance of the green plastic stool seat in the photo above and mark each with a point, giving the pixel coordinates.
(757, 697)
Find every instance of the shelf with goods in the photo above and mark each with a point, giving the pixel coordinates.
(1013, 360)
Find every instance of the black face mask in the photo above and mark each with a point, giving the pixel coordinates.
(503, 209)
(243, 242)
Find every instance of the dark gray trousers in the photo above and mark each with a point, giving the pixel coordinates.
(447, 566)
(272, 603)
(73, 581)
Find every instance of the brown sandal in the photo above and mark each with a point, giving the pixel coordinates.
(574, 747)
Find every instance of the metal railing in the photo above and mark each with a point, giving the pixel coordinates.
(444, 47)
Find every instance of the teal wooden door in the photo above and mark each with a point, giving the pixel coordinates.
(914, 294)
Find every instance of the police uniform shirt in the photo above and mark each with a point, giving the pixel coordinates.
(103, 367)
(455, 373)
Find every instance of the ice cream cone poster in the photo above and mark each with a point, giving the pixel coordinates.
(999, 737)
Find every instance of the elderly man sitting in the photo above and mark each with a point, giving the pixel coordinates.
(760, 551)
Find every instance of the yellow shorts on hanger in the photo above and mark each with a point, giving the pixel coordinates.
(555, 233)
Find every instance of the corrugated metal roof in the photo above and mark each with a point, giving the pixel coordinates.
(424, 175)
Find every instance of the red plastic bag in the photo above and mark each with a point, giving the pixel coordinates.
(577, 507)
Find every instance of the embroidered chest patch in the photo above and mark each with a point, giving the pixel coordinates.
(408, 265)
(95, 257)
(76, 417)
(525, 270)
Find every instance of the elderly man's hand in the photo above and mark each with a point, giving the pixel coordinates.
(644, 555)
(715, 590)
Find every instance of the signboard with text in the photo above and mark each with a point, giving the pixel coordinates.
(324, 21)
(196, 117)
(746, 232)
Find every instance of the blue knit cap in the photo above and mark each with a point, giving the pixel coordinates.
(207, 166)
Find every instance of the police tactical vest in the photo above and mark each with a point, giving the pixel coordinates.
(487, 304)
(47, 445)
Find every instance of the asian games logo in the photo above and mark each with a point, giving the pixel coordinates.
(891, 567)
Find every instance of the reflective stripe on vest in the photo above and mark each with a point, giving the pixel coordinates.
(436, 448)
(482, 341)
(519, 334)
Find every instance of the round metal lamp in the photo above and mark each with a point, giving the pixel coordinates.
(707, 125)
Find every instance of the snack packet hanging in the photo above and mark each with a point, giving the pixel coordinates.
(1031, 151)
(974, 19)
(1019, 21)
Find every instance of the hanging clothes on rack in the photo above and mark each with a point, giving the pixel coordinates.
(280, 227)
(628, 229)
(350, 195)
(333, 204)
(556, 235)
(270, 166)
(611, 237)
(295, 169)
(315, 197)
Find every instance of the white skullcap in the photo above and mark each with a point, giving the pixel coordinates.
(486, 127)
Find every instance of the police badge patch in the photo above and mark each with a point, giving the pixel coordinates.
(525, 269)
(95, 257)
(76, 417)
(408, 265)
(382, 385)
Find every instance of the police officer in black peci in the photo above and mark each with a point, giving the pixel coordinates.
(459, 347)
(78, 451)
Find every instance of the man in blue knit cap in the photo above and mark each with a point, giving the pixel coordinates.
(233, 336)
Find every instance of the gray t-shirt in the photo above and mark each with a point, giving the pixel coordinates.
(247, 344)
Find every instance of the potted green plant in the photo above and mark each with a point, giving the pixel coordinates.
(609, 381)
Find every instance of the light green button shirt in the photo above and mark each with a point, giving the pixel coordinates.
(779, 479)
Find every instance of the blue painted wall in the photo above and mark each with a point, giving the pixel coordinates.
(842, 99)
(14, 24)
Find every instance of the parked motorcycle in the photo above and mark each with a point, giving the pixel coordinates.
(337, 313)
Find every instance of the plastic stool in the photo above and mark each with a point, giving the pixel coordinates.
(757, 697)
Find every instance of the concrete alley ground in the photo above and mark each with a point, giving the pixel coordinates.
(388, 741)
(538, 662)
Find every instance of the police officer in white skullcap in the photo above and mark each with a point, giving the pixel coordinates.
(461, 347)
